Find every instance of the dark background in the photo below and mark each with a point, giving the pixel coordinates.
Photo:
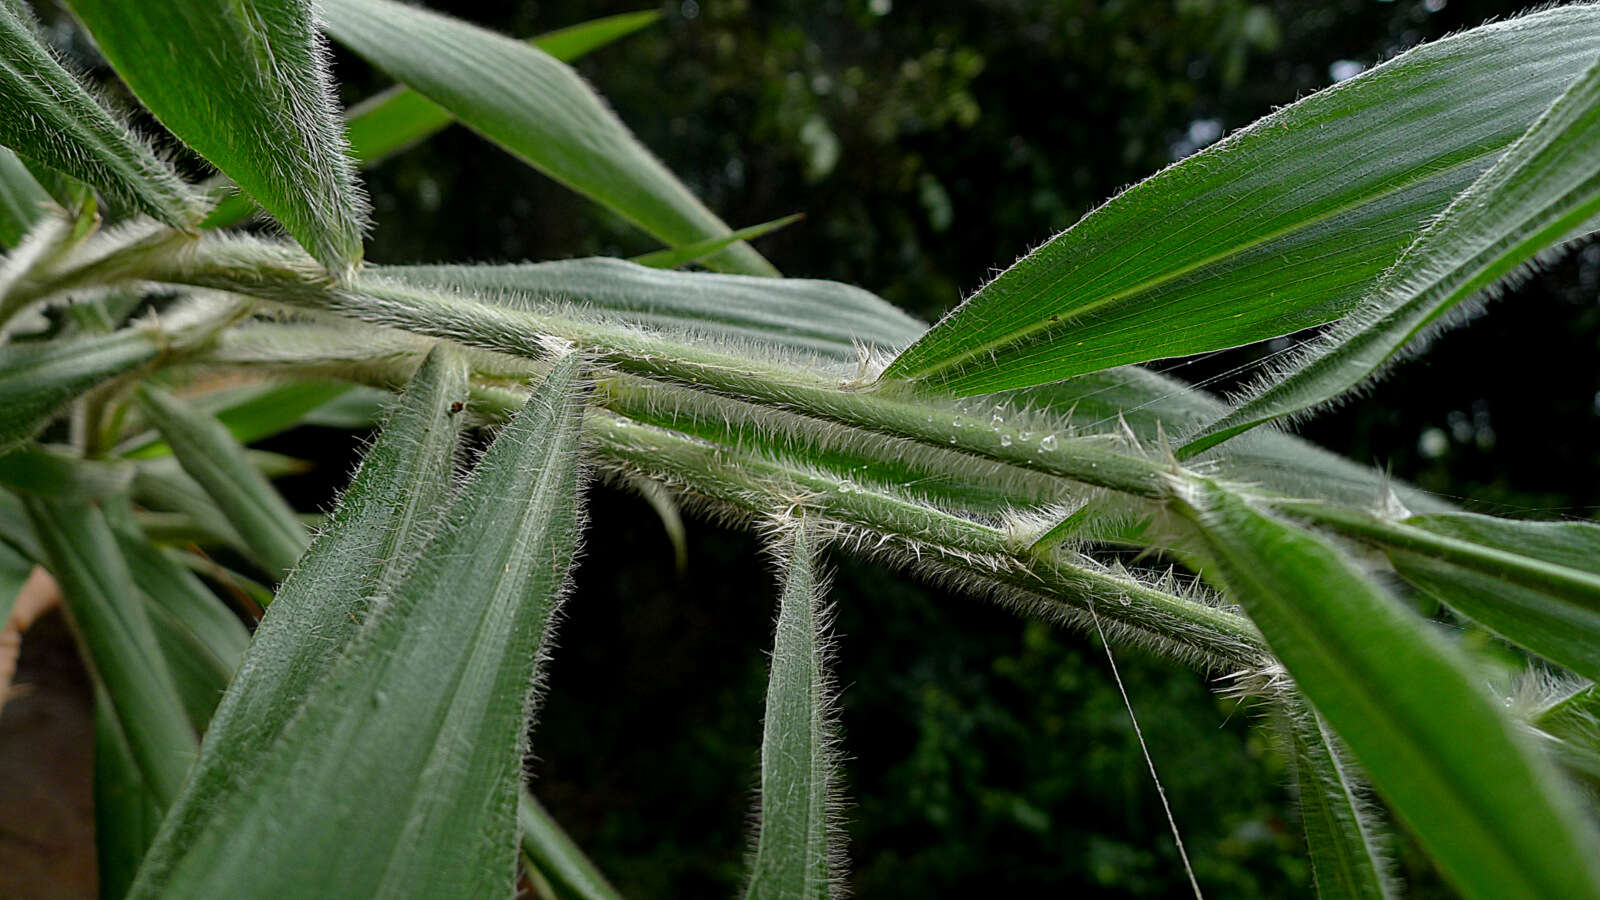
(930, 143)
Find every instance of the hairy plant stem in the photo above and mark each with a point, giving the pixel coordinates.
(752, 485)
(284, 275)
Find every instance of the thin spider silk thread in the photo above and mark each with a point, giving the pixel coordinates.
(1176, 837)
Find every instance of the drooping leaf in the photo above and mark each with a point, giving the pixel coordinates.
(382, 523)
(1543, 191)
(401, 771)
(819, 317)
(676, 257)
(37, 380)
(795, 857)
(548, 848)
(246, 86)
(46, 115)
(22, 199)
(1490, 810)
(211, 456)
(1346, 861)
(1284, 225)
(118, 641)
(538, 109)
(395, 119)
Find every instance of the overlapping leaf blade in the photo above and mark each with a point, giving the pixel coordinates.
(537, 108)
(1543, 191)
(253, 412)
(383, 521)
(796, 847)
(401, 772)
(1346, 862)
(37, 380)
(125, 814)
(398, 118)
(1490, 809)
(1284, 225)
(804, 315)
(47, 115)
(118, 640)
(1563, 626)
(247, 87)
(210, 455)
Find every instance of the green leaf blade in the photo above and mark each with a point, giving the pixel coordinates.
(250, 93)
(212, 457)
(1345, 860)
(796, 847)
(38, 380)
(548, 848)
(1545, 190)
(1490, 810)
(46, 115)
(799, 315)
(537, 108)
(118, 639)
(402, 771)
(1284, 225)
(382, 522)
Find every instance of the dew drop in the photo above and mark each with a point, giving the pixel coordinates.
(1126, 602)
(1024, 435)
(1048, 442)
(997, 420)
(1005, 439)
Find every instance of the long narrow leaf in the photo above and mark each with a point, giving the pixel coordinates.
(548, 848)
(245, 85)
(537, 108)
(252, 413)
(797, 848)
(118, 640)
(37, 380)
(823, 317)
(47, 115)
(381, 524)
(48, 472)
(1536, 584)
(395, 119)
(210, 455)
(1346, 861)
(1283, 225)
(1545, 190)
(402, 770)
(1490, 810)
(126, 815)
(676, 257)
